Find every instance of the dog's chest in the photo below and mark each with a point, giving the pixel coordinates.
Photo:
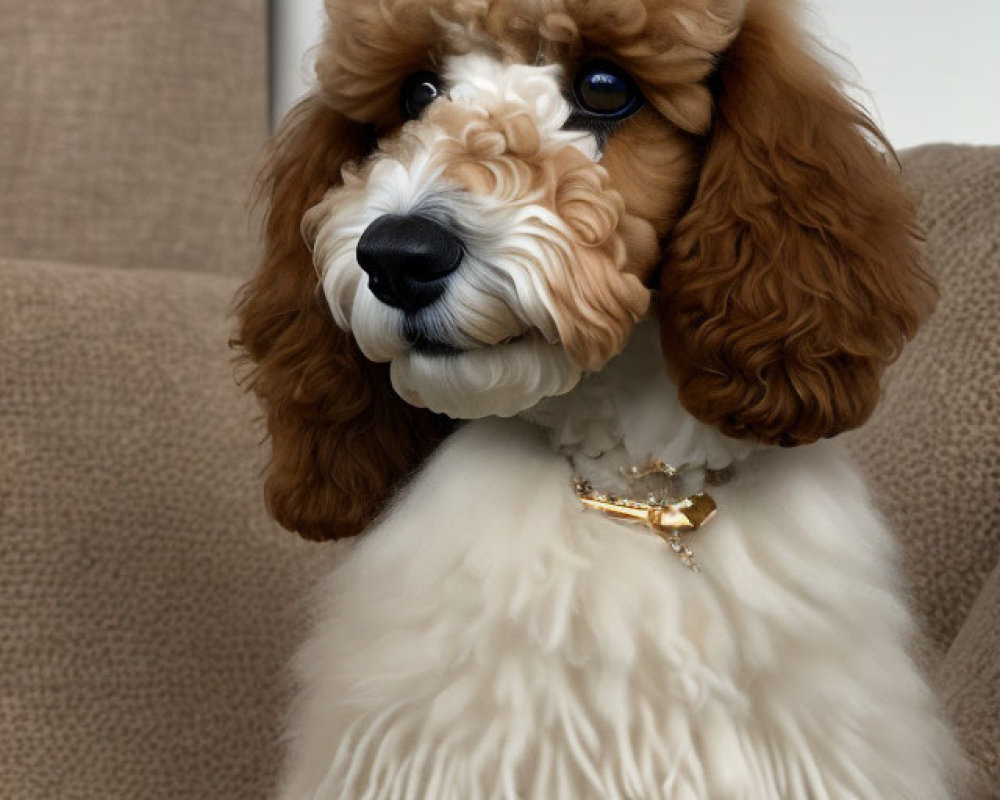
(491, 631)
(491, 637)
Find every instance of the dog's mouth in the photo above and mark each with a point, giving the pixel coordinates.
(428, 346)
(471, 380)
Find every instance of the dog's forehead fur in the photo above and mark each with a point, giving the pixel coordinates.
(670, 46)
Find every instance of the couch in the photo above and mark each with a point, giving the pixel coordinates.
(148, 606)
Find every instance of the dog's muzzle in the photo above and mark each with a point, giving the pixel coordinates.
(408, 260)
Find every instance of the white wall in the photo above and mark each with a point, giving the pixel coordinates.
(296, 26)
(930, 68)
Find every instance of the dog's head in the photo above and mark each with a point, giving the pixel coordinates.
(485, 196)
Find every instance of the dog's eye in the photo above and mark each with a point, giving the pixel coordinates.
(603, 89)
(420, 90)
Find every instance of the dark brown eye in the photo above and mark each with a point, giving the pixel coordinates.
(420, 90)
(603, 89)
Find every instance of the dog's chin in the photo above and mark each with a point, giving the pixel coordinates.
(502, 380)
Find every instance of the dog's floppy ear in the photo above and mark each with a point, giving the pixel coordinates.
(795, 276)
(340, 437)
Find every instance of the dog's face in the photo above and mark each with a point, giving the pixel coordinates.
(484, 197)
(529, 158)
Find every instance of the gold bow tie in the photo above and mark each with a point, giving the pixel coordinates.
(667, 520)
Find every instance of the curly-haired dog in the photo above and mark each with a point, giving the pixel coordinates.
(647, 243)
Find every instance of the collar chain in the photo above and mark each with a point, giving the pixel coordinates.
(664, 513)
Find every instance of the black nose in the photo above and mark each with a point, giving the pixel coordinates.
(407, 259)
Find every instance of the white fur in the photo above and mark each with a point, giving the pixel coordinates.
(498, 381)
(496, 295)
(490, 639)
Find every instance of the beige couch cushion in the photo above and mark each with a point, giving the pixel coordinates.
(148, 606)
(932, 451)
(933, 447)
(129, 130)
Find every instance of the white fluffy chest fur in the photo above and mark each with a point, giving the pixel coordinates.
(490, 639)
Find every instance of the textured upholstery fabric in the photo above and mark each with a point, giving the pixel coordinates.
(932, 451)
(147, 604)
(969, 682)
(933, 447)
(130, 129)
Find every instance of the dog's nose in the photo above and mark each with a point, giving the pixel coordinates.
(407, 259)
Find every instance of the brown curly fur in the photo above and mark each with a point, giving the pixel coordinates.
(795, 276)
(792, 278)
(372, 46)
(340, 437)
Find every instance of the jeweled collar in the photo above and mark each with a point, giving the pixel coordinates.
(666, 510)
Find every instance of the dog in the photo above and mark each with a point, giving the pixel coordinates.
(560, 304)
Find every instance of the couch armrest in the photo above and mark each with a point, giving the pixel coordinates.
(970, 686)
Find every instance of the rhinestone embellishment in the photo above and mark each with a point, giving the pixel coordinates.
(667, 520)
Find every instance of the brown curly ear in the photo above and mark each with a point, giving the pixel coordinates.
(340, 437)
(795, 276)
